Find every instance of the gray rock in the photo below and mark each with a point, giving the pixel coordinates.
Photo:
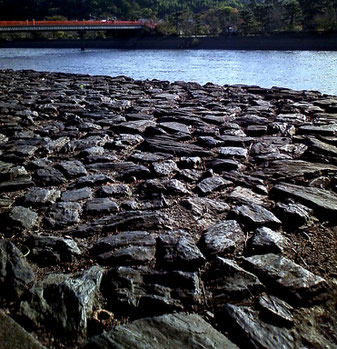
(63, 214)
(177, 250)
(50, 250)
(165, 168)
(76, 195)
(63, 304)
(179, 330)
(16, 275)
(254, 215)
(322, 201)
(22, 218)
(293, 214)
(40, 196)
(276, 310)
(173, 127)
(101, 205)
(210, 184)
(251, 332)
(227, 281)
(247, 196)
(133, 247)
(266, 240)
(233, 152)
(12, 335)
(286, 278)
(92, 180)
(115, 189)
(50, 176)
(73, 168)
(222, 238)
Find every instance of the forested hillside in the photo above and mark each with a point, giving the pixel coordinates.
(209, 17)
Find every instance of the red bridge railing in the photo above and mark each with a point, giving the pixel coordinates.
(75, 23)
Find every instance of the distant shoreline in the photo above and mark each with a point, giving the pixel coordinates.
(280, 41)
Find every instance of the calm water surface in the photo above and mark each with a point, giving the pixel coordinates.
(299, 70)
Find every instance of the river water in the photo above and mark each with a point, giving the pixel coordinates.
(299, 70)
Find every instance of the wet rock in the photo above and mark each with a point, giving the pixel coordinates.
(222, 238)
(276, 310)
(50, 250)
(266, 240)
(210, 184)
(98, 206)
(16, 275)
(21, 218)
(250, 331)
(63, 214)
(165, 332)
(177, 250)
(254, 215)
(76, 194)
(226, 280)
(322, 201)
(40, 196)
(288, 279)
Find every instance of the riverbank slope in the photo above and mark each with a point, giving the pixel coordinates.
(151, 214)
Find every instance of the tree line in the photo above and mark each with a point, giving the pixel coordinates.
(193, 17)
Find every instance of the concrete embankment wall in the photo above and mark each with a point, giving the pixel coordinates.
(299, 41)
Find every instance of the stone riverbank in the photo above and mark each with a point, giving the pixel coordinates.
(149, 214)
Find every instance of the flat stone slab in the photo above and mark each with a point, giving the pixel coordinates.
(180, 330)
(210, 184)
(285, 277)
(322, 201)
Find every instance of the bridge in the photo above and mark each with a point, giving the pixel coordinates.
(76, 25)
(29, 26)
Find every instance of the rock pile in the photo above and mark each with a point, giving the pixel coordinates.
(150, 214)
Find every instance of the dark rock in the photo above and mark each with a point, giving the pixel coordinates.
(115, 189)
(137, 126)
(220, 165)
(222, 238)
(72, 168)
(21, 218)
(149, 157)
(200, 206)
(92, 180)
(276, 310)
(134, 247)
(63, 214)
(210, 184)
(177, 250)
(293, 214)
(101, 205)
(173, 127)
(254, 215)
(40, 196)
(166, 144)
(226, 280)
(322, 201)
(50, 176)
(54, 295)
(266, 240)
(50, 250)
(247, 196)
(288, 279)
(77, 194)
(165, 332)
(16, 275)
(251, 332)
(12, 335)
(128, 169)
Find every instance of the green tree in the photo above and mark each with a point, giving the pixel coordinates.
(292, 14)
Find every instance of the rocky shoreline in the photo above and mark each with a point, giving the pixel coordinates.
(149, 214)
